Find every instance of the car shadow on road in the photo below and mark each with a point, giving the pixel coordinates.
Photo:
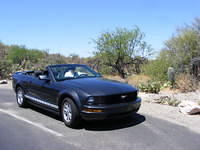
(103, 125)
(114, 124)
(46, 113)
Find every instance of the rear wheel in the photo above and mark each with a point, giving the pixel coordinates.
(70, 114)
(21, 100)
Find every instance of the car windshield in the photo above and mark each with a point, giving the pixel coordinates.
(64, 72)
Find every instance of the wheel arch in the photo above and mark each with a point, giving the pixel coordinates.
(74, 97)
(17, 86)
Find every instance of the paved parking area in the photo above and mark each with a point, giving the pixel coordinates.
(34, 129)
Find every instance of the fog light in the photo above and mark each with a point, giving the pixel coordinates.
(93, 110)
(90, 101)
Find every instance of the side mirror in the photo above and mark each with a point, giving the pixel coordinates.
(99, 75)
(44, 77)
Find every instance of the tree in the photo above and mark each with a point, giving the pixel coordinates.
(185, 45)
(3, 51)
(74, 58)
(55, 59)
(20, 54)
(5, 69)
(121, 48)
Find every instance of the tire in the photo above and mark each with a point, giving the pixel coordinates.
(70, 113)
(21, 100)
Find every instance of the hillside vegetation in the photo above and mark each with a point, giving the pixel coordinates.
(121, 52)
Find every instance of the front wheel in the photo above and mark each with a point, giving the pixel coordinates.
(21, 100)
(70, 114)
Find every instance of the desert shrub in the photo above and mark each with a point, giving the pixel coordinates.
(166, 100)
(186, 83)
(5, 69)
(107, 70)
(150, 87)
(157, 69)
(166, 84)
(19, 54)
(136, 80)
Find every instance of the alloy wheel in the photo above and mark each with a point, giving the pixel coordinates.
(20, 97)
(67, 112)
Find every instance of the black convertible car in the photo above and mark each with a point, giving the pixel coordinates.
(75, 92)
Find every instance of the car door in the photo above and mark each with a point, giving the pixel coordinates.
(44, 91)
(34, 87)
(48, 91)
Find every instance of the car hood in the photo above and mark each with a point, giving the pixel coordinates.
(99, 86)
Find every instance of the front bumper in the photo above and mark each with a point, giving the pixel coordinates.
(110, 111)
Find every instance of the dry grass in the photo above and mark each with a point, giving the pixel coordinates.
(132, 80)
(138, 79)
(117, 78)
(185, 83)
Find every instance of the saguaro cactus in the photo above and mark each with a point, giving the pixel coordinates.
(171, 75)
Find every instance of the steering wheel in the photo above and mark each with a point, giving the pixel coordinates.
(83, 75)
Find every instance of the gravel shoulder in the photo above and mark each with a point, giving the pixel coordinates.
(171, 114)
(6, 86)
(164, 112)
(190, 96)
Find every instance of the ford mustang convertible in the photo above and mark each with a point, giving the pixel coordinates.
(75, 92)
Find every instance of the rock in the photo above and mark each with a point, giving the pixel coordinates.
(3, 81)
(188, 107)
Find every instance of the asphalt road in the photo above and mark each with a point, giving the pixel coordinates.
(34, 129)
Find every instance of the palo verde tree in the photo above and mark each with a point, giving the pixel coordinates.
(122, 49)
(184, 45)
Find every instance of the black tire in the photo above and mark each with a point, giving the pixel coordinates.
(21, 100)
(68, 107)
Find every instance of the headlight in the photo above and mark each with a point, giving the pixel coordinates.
(90, 101)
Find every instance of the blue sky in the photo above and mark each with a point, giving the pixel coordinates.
(66, 27)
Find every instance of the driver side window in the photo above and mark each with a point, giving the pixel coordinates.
(41, 73)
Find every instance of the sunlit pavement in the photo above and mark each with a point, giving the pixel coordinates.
(34, 129)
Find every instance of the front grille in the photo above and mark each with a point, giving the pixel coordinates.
(116, 99)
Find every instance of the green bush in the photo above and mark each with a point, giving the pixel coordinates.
(5, 69)
(19, 54)
(150, 87)
(167, 84)
(157, 69)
